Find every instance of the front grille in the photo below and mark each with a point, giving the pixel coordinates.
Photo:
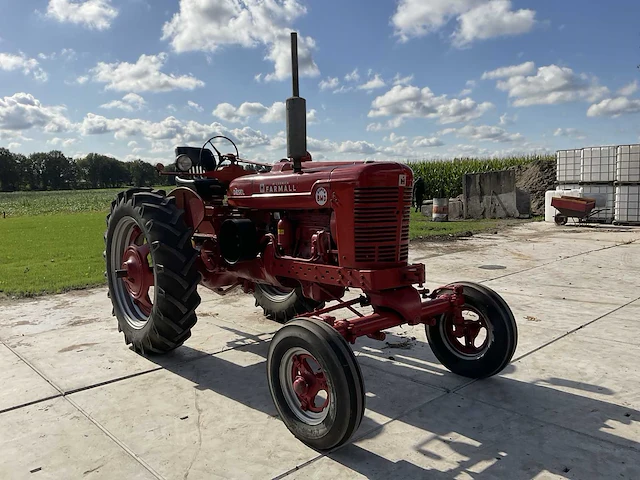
(381, 224)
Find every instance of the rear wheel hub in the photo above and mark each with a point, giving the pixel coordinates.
(139, 274)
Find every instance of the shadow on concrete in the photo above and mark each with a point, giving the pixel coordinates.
(489, 447)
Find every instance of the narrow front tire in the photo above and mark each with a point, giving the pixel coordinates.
(316, 383)
(484, 343)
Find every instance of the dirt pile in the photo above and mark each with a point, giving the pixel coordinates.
(536, 178)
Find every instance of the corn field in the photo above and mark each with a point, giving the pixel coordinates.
(443, 178)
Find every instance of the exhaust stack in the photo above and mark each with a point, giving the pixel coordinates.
(296, 121)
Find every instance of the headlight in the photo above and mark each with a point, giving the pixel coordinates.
(183, 163)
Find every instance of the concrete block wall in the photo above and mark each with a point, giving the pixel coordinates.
(490, 195)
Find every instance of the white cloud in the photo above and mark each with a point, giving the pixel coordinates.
(93, 14)
(629, 89)
(132, 144)
(168, 132)
(208, 25)
(22, 111)
(526, 68)
(347, 148)
(413, 102)
(62, 142)
(129, 103)
(614, 107)
(82, 79)
(483, 133)
(29, 66)
(477, 19)
(280, 55)
(343, 89)
(427, 142)
(359, 146)
(570, 133)
(329, 83)
(552, 85)
(268, 114)
(389, 125)
(142, 76)
(373, 84)
(14, 145)
(465, 92)
(393, 138)
(398, 80)
(194, 106)
(507, 120)
(66, 54)
(353, 76)
(492, 19)
(417, 18)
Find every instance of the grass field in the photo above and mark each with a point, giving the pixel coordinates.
(51, 253)
(47, 203)
(422, 226)
(51, 242)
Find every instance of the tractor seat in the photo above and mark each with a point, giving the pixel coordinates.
(207, 188)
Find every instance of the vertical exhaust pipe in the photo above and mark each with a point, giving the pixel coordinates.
(296, 120)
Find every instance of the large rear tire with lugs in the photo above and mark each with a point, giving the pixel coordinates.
(282, 305)
(151, 270)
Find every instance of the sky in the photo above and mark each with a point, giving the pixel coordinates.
(396, 80)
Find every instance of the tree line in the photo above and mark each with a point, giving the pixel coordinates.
(54, 171)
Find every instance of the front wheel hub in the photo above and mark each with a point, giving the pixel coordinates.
(300, 386)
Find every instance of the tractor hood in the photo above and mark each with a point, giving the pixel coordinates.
(318, 186)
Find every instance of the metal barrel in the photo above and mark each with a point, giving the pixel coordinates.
(440, 210)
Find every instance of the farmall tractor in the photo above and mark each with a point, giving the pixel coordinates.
(298, 237)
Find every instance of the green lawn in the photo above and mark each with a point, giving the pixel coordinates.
(16, 204)
(422, 226)
(51, 253)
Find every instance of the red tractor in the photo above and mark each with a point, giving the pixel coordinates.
(297, 237)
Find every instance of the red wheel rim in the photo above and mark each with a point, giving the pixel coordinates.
(305, 386)
(308, 384)
(132, 272)
(468, 335)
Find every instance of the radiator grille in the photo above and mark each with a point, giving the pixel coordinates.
(381, 224)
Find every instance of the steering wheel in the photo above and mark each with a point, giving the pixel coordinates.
(221, 157)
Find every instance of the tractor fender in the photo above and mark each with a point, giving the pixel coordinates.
(192, 204)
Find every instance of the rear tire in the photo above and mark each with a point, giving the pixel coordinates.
(328, 408)
(499, 340)
(282, 305)
(143, 217)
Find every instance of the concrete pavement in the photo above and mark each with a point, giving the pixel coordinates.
(77, 403)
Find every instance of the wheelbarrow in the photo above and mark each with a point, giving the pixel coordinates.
(581, 208)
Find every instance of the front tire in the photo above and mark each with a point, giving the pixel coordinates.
(484, 345)
(282, 305)
(315, 383)
(148, 246)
